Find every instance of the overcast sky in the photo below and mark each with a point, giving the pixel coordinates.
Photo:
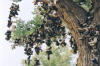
(9, 57)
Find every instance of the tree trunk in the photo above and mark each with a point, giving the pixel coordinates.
(71, 14)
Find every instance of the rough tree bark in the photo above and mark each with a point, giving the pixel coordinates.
(71, 14)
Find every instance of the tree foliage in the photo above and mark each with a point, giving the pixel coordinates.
(23, 29)
(86, 4)
(61, 57)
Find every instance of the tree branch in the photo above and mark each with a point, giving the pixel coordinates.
(76, 10)
(96, 11)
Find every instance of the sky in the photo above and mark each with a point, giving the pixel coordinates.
(9, 57)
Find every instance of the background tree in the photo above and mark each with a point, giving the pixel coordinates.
(61, 57)
(23, 29)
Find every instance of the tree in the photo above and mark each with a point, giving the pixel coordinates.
(72, 14)
(23, 29)
(61, 57)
